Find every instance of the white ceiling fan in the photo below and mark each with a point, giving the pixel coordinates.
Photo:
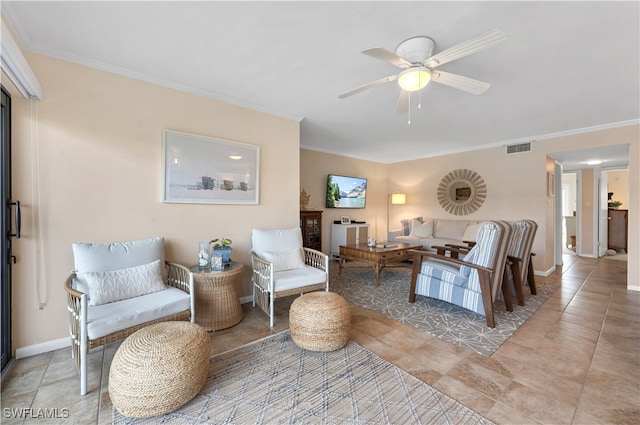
(413, 56)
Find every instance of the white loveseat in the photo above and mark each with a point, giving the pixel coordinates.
(118, 288)
(432, 232)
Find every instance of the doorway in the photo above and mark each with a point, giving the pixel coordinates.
(569, 200)
(591, 166)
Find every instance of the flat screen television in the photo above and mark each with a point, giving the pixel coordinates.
(346, 192)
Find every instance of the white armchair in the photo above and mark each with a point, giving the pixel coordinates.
(283, 267)
(119, 288)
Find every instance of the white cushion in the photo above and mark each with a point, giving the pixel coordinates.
(275, 240)
(413, 240)
(422, 230)
(102, 257)
(116, 285)
(113, 317)
(471, 234)
(285, 260)
(297, 278)
(450, 229)
(406, 225)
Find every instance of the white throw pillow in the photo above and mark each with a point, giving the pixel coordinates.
(285, 260)
(471, 234)
(406, 224)
(115, 285)
(422, 230)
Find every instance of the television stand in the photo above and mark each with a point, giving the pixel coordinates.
(347, 234)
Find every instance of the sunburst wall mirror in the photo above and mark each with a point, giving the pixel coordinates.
(462, 192)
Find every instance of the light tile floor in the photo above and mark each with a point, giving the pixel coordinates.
(575, 361)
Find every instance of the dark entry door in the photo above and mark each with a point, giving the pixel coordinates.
(10, 228)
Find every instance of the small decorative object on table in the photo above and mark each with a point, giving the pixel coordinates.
(204, 255)
(371, 242)
(216, 262)
(304, 199)
(222, 246)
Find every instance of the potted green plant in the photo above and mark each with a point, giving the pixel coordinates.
(614, 204)
(222, 246)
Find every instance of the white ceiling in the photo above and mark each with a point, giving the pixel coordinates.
(566, 66)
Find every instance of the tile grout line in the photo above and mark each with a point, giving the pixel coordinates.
(604, 319)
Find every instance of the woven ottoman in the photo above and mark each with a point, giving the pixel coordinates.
(159, 368)
(320, 321)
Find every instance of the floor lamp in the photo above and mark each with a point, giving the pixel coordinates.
(394, 199)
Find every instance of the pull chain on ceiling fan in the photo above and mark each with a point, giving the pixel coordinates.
(418, 66)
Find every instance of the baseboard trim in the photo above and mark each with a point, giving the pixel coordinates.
(247, 299)
(43, 347)
(544, 273)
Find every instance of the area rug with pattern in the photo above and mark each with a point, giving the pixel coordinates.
(274, 381)
(438, 318)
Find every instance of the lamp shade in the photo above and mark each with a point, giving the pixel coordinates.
(415, 78)
(398, 198)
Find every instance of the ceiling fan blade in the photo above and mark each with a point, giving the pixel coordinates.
(387, 56)
(402, 105)
(473, 45)
(368, 86)
(459, 82)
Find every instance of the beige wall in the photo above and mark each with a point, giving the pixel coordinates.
(512, 190)
(314, 168)
(633, 263)
(618, 183)
(87, 167)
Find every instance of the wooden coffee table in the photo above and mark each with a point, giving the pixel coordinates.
(379, 257)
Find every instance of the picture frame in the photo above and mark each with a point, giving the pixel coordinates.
(206, 170)
(345, 219)
(551, 185)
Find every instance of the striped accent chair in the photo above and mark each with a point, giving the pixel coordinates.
(473, 283)
(519, 256)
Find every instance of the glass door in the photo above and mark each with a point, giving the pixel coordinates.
(8, 207)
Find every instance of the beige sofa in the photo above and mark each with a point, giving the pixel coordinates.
(432, 232)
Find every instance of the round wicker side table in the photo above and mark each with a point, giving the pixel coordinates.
(217, 302)
(320, 321)
(159, 368)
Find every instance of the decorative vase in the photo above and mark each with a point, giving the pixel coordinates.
(216, 261)
(204, 255)
(225, 253)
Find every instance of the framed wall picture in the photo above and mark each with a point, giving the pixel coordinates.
(345, 219)
(204, 170)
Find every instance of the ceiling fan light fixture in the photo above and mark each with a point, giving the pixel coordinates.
(415, 78)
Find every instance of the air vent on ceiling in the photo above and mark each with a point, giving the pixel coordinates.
(519, 148)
